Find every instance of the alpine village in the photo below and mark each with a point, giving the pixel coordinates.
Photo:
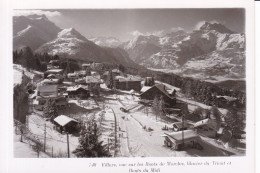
(73, 97)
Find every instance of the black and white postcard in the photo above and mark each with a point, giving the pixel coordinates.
(145, 87)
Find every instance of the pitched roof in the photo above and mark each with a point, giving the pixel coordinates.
(92, 79)
(54, 71)
(180, 124)
(188, 134)
(48, 88)
(50, 81)
(116, 70)
(74, 88)
(63, 120)
(145, 88)
(208, 122)
(128, 78)
(162, 88)
(86, 65)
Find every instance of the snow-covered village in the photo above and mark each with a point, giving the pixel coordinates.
(176, 94)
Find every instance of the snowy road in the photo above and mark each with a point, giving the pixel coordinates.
(135, 141)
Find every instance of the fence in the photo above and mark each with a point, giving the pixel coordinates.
(39, 142)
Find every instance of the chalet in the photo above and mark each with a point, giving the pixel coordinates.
(175, 140)
(178, 126)
(45, 92)
(54, 61)
(61, 102)
(86, 66)
(127, 83)
(145, 88)
(65, 123)
(116, 72)
(208, 127)
(81, 81)
(224, 101)
(50, 81)
(97, 66)
(81, 73)
(62, 89)
(92, 81)
(48, 90)
(58, 72)
(49, 66)
(159, 90)
(52, 76)
(78, 91)
(95, 74)
(40, 101)
(72, 77)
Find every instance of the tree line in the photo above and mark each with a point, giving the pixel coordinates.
(20, 100)
(201, 91)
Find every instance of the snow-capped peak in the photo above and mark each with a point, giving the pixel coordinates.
(207, 26)
(106, 41)
(70, 33)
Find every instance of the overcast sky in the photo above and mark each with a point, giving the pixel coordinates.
(125, 23)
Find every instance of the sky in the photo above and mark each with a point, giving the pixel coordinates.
(126, 23)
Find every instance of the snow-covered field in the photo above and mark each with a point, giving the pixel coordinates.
(135, 141)
(17, 77)
(24, 149)
(54, 139)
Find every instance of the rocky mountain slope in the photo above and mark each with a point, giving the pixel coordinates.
(32, 31)
(106, 41)
(43, 36)
(212, 53)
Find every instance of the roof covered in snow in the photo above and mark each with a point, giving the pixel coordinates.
(180, 124)
(228, 98)
(92, 79)
(208, 122)
(75, 88)
(187, 134)
(50, 81)
(54, 71)
(129, 78)
(63, 120)
(145, 88)
(86, 65)
(162, 88)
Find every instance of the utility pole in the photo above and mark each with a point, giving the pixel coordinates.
(183, 130)
(115, 128)
(108, 144)
(68, 145)
(44, 146)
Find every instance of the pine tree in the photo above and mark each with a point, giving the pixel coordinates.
(155, 106)
(50, 109)
(161, 106)
(89, 143)
(111, 80)
(234, 122)
(216, 113)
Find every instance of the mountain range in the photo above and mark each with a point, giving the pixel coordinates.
(213, 52)
(41, 35)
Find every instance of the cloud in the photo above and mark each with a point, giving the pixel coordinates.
(38, 12)
(136, 33)
(200, 23)
(156, 33)
(177, 29)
